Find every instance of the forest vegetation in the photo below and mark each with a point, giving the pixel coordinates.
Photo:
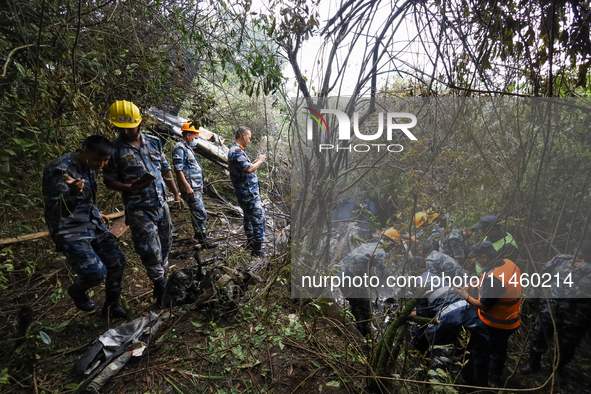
(517, 74)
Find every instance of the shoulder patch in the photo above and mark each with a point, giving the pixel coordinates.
(155, 140)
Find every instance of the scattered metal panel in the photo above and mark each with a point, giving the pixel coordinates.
(211, 145)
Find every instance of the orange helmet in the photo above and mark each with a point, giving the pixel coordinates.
(392, 234)
(189, 127)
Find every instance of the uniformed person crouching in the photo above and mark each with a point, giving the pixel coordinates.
(246, 186)
(367, 259)
(190, 179)
(78, 228)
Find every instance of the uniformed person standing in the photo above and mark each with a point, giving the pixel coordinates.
(138, 169)
(246, 186)
(361, 206)
(78, 228)
(570, 306)
(190, 179)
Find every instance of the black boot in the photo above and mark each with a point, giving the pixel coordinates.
(80, 298)
(205, 241)
(112, 307)
(257, 249)
(159, 288)
(534, 364)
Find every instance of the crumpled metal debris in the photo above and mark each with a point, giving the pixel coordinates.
(114, 348)
(199, 285)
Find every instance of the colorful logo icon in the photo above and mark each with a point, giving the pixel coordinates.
(317, 118)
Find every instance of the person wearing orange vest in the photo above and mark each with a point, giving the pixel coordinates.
(498, 304)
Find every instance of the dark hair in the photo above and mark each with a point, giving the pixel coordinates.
(240, 131)
(426, 246)
(99, 145)
(585, 248)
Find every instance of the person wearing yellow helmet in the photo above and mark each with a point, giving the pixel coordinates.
(392, 234)
(422, 220)
(139, 170)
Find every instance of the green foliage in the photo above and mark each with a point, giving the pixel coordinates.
(441, 376)
(4, 377)
(549, 40)
(6, 265)
(65, 63)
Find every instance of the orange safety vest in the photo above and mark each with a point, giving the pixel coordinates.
(504, 313)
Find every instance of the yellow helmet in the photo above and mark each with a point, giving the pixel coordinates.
(432, 216)
(392, 234)
(420, 218)
(125, 114)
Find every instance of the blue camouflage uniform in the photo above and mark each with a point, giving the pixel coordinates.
(76, 228)
(363, 260)
(429, 233)
(146, 211)
(439, 263)
(453, 314)
(450, 242)
(183, 159)
(570, 305)
(246, 187)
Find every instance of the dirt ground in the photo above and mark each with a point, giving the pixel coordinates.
(259, 346)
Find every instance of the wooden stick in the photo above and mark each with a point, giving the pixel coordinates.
(28, 237)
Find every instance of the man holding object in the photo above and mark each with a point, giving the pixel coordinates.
(78, 228)
(146, 209)
(246, 186)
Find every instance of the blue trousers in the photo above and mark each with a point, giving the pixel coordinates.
(151, 232)
(94, 256)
